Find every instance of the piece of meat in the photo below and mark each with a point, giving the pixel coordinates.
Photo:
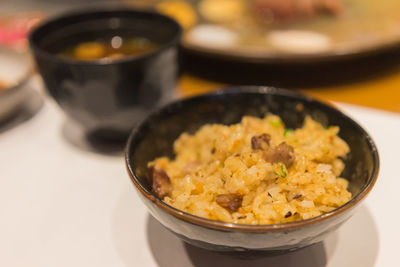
(331, 6)
(260, 142)
(161, 184)
(281, 153)
(231, 202)
(292, 9)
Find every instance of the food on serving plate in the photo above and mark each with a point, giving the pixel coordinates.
(346, 26)
(254, 172)
(114, 48)
(296, 41)
(14, 28)
(292, 9)
(213, 36)
(221, 11)
(180, 10)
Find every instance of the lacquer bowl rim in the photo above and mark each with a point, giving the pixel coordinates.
(102, 12)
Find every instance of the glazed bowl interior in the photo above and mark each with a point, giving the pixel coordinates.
(155, 137)
(61, 33)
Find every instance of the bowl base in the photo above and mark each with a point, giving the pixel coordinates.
(107, 140)
(239, 252)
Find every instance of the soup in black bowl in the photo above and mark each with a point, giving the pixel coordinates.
(110, 49)
(108, 97)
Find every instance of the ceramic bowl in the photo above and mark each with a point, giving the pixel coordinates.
(155, 136)
(108, 98)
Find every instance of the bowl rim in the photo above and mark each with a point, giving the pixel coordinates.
(103, 11)
(219, 225)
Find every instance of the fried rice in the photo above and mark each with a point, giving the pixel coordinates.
(255, 172)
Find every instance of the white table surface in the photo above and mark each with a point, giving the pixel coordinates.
(62, 204)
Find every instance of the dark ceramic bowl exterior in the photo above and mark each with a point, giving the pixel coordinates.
(108, 97)
(155, 136)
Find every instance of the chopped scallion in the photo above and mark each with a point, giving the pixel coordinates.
(287, 131)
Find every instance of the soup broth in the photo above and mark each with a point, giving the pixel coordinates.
(110, 49)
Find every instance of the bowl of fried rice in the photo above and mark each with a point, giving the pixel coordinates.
(251, 168)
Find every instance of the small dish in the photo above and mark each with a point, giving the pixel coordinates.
(155, 136)
(15, 72)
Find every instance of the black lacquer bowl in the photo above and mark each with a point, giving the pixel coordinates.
(108, 98)
(155, 136)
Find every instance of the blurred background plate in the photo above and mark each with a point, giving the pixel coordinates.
(250, 31)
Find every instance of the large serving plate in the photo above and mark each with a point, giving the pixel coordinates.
(232, 31)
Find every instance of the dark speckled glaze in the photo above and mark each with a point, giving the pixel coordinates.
(108, 98)
(154, 138)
